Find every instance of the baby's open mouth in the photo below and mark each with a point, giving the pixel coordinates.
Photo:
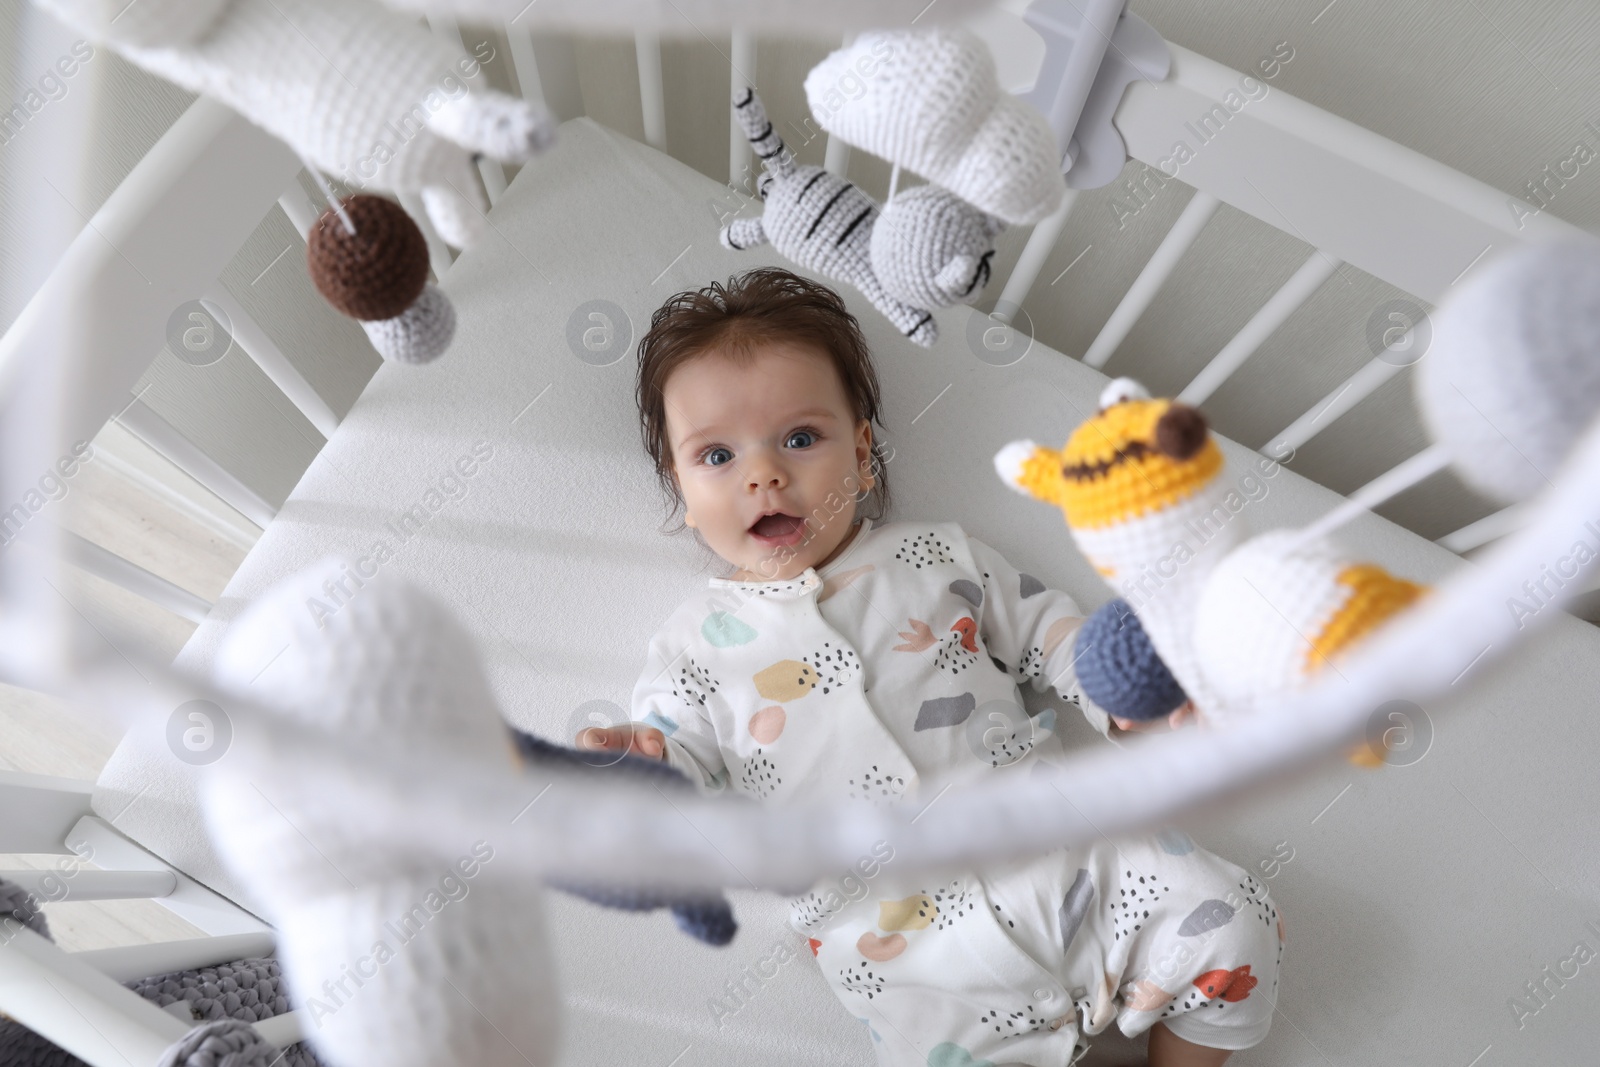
(778, 529)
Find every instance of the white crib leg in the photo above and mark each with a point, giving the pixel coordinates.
(39, 812)
(67, 1001)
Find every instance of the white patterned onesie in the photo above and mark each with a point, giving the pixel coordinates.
(897, 665)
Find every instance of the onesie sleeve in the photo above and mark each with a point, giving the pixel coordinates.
(1032, 630)
(692, 745)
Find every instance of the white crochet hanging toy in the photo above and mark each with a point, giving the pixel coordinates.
(1238, 622)
(391, 670)
(825, 223)
(930, 101)
(355, 88)
(1511, 379)
(1508, 388)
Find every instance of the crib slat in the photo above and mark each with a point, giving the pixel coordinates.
(1489, 528)
(65, 999)
(1183, 233)
(490, 170)
(438, 251)
(742, 72)
(298, 206)
(652, 96)
(525, 63)
(142, 421)
(128, 575)
(493, 174)
(1317, 268)
(1325, 412)
(270, 358)
(51, 885)
(1040, 244)
(836, 154)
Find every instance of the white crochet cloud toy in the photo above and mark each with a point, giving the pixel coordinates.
(357, 89)
(929, 100)
(1152, 505)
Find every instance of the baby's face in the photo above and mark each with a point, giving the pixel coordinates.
(768, 456)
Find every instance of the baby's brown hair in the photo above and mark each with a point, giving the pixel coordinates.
(764, 304)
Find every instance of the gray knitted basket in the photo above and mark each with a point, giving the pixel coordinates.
(223, 999)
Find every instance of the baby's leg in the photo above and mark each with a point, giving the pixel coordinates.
(1167, 1049)
(1201, 946)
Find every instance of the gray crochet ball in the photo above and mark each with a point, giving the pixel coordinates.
(419, 334)
(226, 997)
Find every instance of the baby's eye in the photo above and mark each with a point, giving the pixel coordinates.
(805, 437)
(710, 456)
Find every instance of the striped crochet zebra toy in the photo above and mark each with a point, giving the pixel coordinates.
(927, 247)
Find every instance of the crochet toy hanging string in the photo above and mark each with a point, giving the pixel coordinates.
(379, 277)
(328, 194)
(1423, 465)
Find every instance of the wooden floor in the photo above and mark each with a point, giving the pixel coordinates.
(133, 503)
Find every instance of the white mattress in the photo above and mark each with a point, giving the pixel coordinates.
(1417, 900)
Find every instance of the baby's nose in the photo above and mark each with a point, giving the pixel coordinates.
(765, 474)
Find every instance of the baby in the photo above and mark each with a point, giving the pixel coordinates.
(846, 657)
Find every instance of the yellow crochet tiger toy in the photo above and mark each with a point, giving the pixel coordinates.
(1145, 491)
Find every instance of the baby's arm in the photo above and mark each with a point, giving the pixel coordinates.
(691, 741)
(1033, 630)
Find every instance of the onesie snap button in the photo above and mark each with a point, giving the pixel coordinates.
(1043, 994)
(844, 676)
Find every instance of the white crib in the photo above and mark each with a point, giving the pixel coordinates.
(1351, 196)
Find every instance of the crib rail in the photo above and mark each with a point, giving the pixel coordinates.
(1354, 196)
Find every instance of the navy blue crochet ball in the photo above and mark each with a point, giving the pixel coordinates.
(1119, 669)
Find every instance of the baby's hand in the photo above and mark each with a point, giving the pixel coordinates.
(632, 737)
(1176, 719)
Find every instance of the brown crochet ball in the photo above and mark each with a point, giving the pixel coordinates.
(375, 273)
